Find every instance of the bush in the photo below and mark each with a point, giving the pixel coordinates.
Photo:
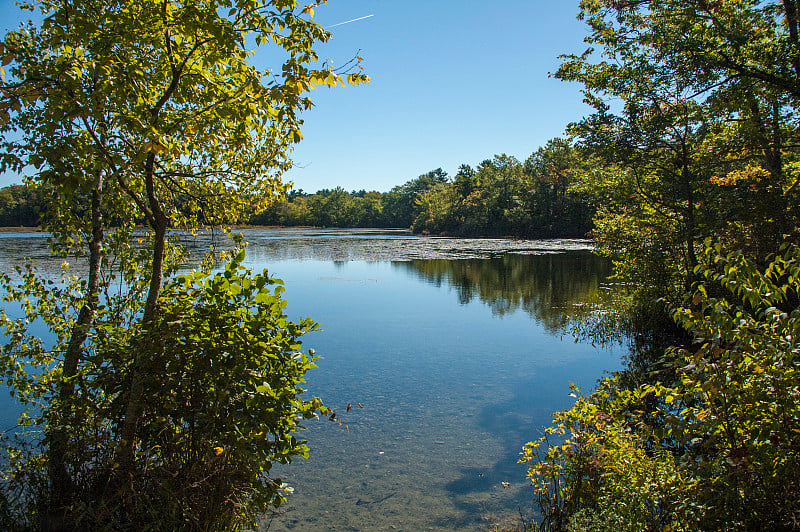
(222, 403)
(717, 450)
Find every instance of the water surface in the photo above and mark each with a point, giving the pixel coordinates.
(458, 352)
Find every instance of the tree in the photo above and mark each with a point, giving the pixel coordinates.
(554, 206)
(701, 142)
(695, 127)
(154, 112)
(504, 197)
(20, 205)
(401, 202)
(332, 208)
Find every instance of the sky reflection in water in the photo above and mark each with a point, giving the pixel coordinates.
(458, 363)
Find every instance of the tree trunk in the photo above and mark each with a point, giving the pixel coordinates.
(689, 221)
(790, 8)
(133, 409)
(61, 482)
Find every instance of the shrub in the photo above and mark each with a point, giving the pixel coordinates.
(717, 450)
(223, 401)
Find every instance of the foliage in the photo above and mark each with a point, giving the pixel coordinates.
(504, 197)
(556, 204)
(606, 469)
(540, 198)
(500, 197)
(148, 112)
(715, 450)
(222, 396)
(739, 388)
(688, 142)
(20, 206)
(192, 111)
(693, 137)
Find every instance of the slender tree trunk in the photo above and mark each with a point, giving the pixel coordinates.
(782, 204)
(769, 142)
(771, 194)
(790, 8)
(60, 480)
(133, 409)
(158, 222)
(689, 222)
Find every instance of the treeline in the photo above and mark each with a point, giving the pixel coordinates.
(20, 206)
(500, 197)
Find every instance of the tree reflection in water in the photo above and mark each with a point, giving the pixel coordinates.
(549, 287)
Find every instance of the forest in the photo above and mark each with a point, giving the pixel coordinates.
(499, 197)
(686, 174)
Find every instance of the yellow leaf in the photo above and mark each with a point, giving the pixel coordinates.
(154, 147)
(218, 450)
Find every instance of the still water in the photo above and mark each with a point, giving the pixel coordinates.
(458, 351)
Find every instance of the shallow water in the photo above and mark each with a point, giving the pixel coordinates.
(455, 348)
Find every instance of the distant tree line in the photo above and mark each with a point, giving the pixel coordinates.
(20, 206)
(502, 196)
(339, 208)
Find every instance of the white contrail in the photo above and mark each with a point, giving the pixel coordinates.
(349, 21)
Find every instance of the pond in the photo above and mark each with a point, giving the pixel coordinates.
(456, 350)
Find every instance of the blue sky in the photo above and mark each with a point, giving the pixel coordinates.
(452, 82)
